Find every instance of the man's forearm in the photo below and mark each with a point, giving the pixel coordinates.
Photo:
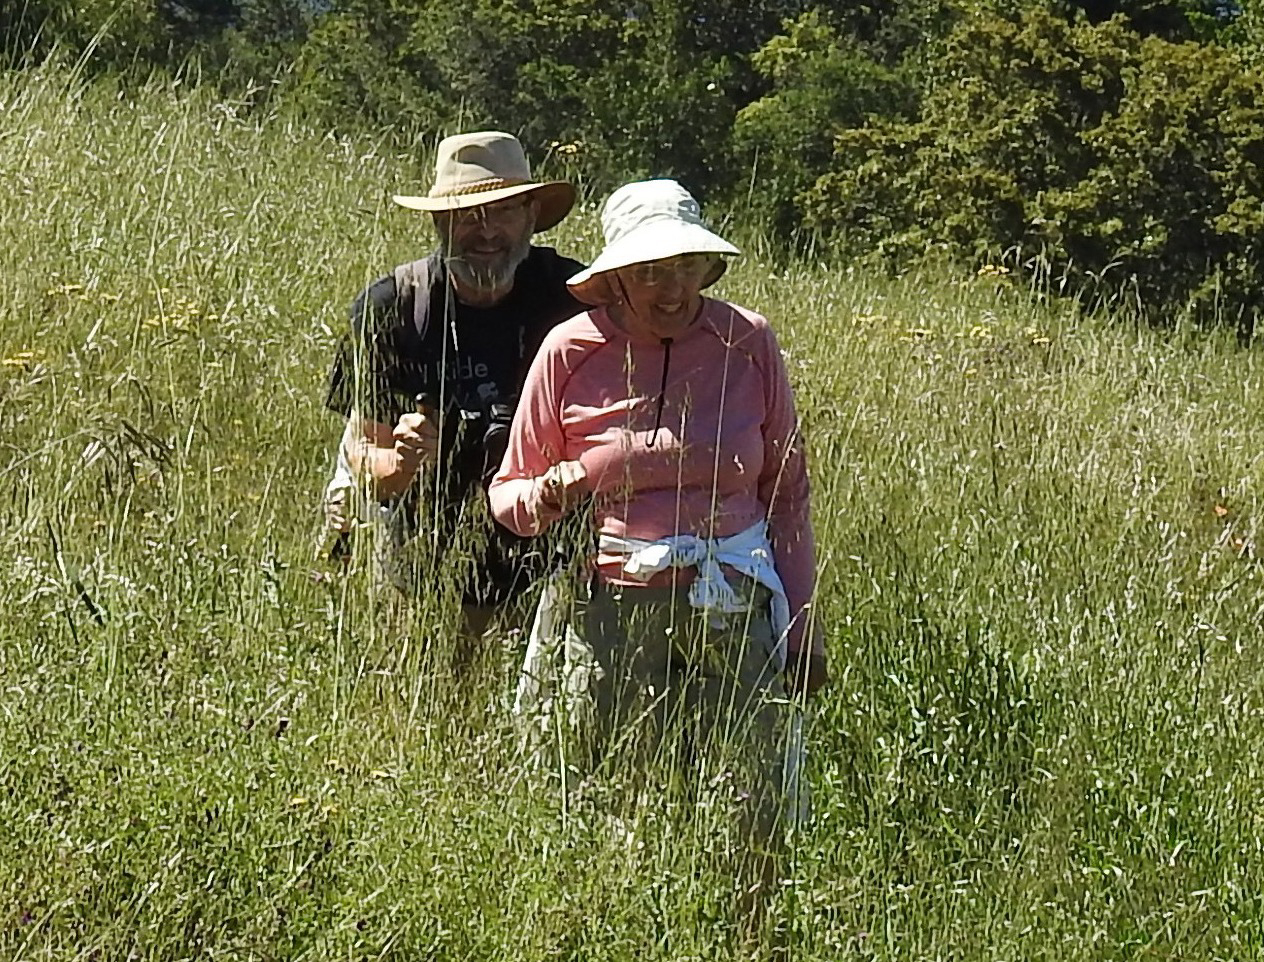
(386, 470)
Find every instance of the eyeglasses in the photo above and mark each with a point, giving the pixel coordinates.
(501, 212)
(686, 268)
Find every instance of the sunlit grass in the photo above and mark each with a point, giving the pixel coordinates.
(1039, 575)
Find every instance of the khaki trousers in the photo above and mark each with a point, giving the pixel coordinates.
(674, 689)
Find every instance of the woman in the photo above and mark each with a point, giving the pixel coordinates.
(671, 414)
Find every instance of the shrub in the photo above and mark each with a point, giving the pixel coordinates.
(822, 81)
(1121, 164)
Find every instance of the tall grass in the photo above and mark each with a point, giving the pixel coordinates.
(1039, 574)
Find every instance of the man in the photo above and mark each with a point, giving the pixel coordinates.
(436, 356)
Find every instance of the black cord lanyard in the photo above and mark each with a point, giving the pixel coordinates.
(662, 393)
(662, 387)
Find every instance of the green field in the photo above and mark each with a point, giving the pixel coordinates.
(1040, 582)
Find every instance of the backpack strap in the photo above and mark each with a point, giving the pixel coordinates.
(416, 275)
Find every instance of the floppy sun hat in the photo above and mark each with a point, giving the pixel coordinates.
(649, 220)
(484, 167)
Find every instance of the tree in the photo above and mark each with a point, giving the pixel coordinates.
(115, 34)
(1174, 20)
(104, 33)
(822, 82)
(627, 87)
(1120, 163)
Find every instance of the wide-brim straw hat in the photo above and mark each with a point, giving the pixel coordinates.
(484, 167)
(648, 220)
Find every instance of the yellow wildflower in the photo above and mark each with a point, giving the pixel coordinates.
(870, 320)
(23, 360)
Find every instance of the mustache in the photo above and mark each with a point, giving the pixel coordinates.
(487, 276)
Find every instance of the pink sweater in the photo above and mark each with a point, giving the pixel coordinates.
(726, 455)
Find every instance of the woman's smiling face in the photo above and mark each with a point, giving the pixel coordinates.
(662, 297)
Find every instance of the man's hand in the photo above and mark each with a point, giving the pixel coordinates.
(563, 486)
(806, 672)
(416, 442)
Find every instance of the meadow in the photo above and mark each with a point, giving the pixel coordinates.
(1040, 579)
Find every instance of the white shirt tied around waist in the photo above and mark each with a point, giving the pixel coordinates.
(749, 552)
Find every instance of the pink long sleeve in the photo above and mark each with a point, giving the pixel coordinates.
(536, 442)
(783, 487)
(714, 453)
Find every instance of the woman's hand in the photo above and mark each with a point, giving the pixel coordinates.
(563, 486)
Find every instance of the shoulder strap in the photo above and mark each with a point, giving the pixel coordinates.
(416, 275)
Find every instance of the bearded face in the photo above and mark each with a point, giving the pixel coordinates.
(484, 245)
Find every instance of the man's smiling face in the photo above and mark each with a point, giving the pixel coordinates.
(484, 245)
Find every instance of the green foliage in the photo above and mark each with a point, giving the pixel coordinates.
(897, 30)
(132, 35)
(645, 95)
(1123, 164)
(1175, 20)
(1246, 31)
(895, 127)
(1039, 544)
(822, 82)
(615, 90)
(261, 43)
(356, 70)
(114, 33)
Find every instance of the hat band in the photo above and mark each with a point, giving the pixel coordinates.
(479, 187)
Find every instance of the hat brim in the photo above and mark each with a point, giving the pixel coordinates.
(556, 198)
(653, 242)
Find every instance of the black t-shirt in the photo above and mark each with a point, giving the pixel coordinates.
(468, 357)
(471, 363)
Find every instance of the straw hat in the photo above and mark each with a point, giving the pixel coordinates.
(484, 167)
(648, 221)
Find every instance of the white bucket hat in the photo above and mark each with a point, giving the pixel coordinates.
(649, 220)
(484, 167)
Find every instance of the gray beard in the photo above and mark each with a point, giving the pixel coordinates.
(490, 278)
